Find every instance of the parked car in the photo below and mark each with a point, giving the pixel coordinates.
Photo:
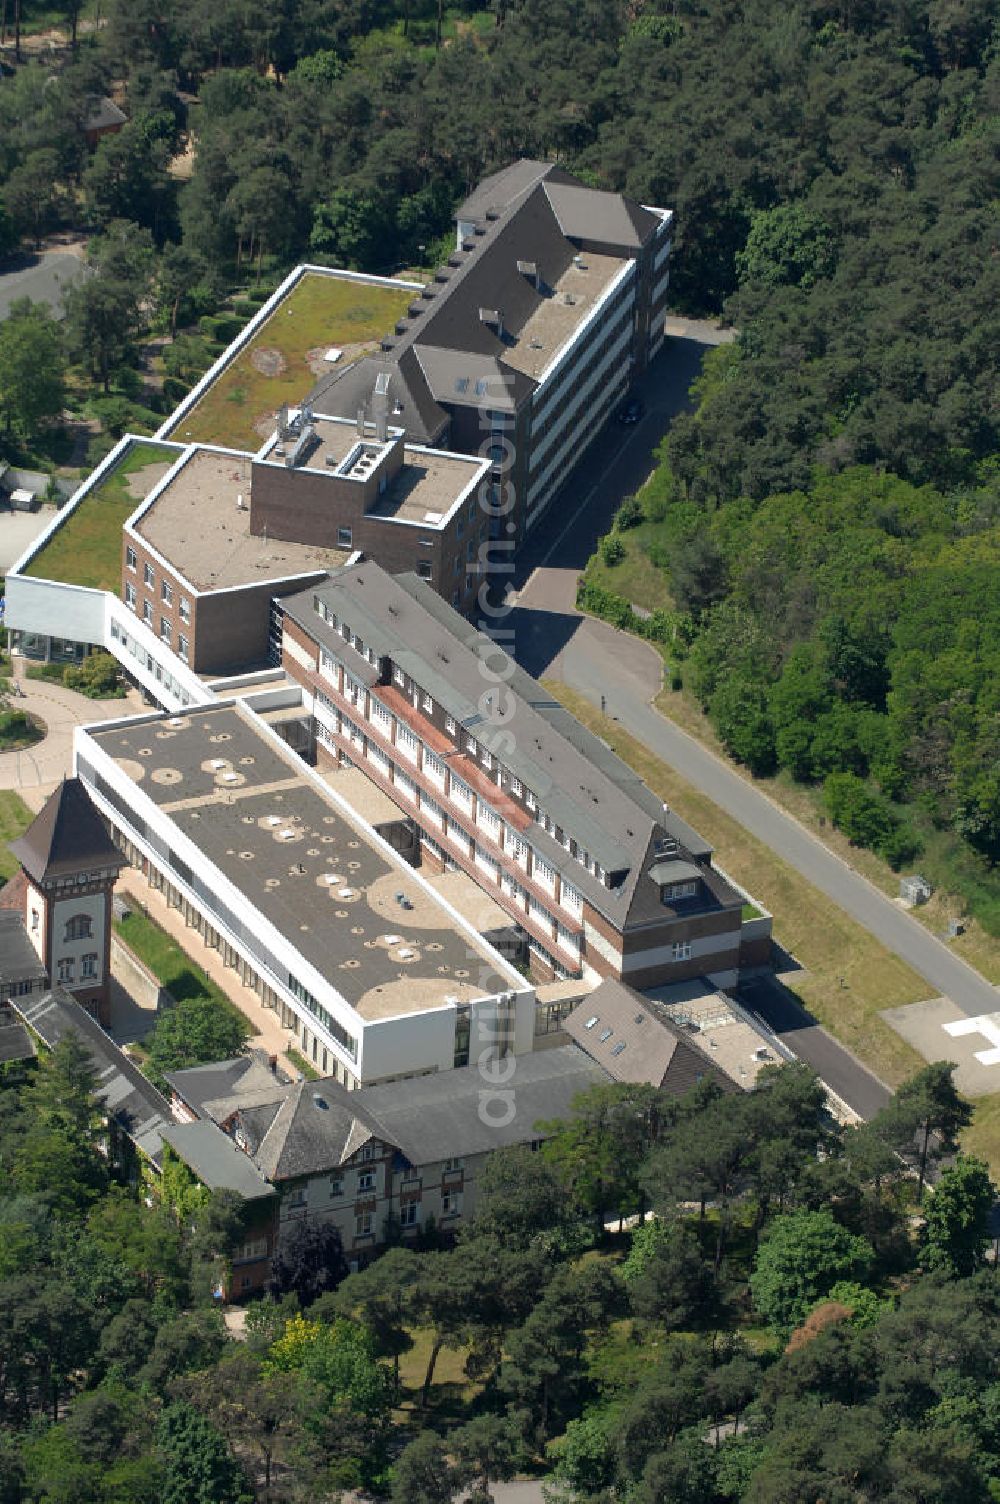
(631, 411)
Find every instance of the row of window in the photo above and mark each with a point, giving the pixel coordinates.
(323, 1016)
(461, 795)
(166, 588)
(166, 629)
(145, 660)
(88, 968)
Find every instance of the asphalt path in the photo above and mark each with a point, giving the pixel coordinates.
(549, 636)
(43, 277)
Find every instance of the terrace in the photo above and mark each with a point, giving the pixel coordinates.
(87, 548)
(281, 362)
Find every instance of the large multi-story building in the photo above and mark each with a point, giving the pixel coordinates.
(551, 305)
(597, 874)
(224, 534)
(435, 453)
(372, 969)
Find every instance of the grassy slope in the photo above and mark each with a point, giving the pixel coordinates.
(319, 311)
(15, 817)
(87, 549)
(172, 967)
(827, 943)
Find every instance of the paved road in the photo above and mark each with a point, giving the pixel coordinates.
(549, 636)
(843, 1073)
(43, 278)
(36, 771)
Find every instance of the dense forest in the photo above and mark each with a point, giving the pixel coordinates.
(799, 1319)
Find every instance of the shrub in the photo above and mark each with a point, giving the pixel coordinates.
(174, 388)
(612, 549)
(629, 514)
(97, 677)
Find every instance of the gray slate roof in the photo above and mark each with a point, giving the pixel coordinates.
(215, 1159)
(531, 212)
(625, 1032)
(127, 1097)
(16, 1043)
(316, 1126)
(577, 779)
(198, 1084)
(434, 1118)
(19, 961)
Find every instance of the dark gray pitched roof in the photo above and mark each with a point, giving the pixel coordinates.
(215, 1159)
(582, 785)
(127, 1096)
(198, 1084)
(442, 352)
(102, 112)
(600, 218)
(67, 836)
(16, 1043)
(317, 1126)
(19, 961)
(434, 1118)
(501, 189)
(626, 1033)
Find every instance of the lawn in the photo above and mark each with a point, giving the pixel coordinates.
(635, 577)
(87, 549)
(848, 977)
(172, 966)
(318, 312)
(15, 817)
(983, 1137)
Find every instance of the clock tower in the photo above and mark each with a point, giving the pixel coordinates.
(70, 865)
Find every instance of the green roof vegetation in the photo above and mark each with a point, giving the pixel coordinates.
(274, 368)
(87, 549)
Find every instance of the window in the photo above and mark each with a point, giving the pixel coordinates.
(344, 536)
(449, 724)
(299, 1198)
(34, 921)
(409, 1214)
(148, 576)
(66, 969)
(130, 596)
(80, 927)
(681, 950)
(336, 1186)
(471, 746)
(253, 1248)
(487, 760)
(184, 608)
(363, 1226)
(88, 966)
(147, 613)
(398, 677)
(516, 787)
(182, 647)
(424, 569)
(427, 704)
(451, 1204)
(530, 799)
(366, 1180)
(451, 1165)
(164, 630)
(130, 558)
(167, 592)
